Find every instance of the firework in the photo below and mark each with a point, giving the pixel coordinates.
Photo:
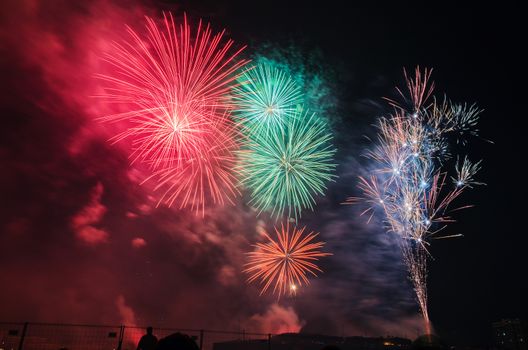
(286, 261)
(266, 99)
(308, 70)
(407, 181)
(208, 176)
(286, 168)
(172, 89)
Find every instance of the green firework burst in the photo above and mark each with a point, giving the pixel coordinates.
(310, 70)
(265, 99)
(285, 169)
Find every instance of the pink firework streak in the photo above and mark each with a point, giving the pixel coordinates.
(172, 90)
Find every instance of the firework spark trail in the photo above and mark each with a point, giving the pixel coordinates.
(212, 173)
(408, 181)
(172, 87)
(265, 99)
(286, 261)
(286, 168)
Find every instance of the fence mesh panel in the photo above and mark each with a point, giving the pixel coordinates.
(70, 337)
(10, 335)
(217, 340)
(132, 335)
(47, 336)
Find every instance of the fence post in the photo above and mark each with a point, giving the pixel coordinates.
(121, 336)
(201, 338)
(23, 336)
(269, 341)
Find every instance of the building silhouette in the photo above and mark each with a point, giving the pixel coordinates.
(510, 334)
(429, 342)
(295, 341)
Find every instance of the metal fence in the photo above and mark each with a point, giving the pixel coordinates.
(50, 336)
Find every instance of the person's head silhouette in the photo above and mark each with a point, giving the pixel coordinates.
(149, 330)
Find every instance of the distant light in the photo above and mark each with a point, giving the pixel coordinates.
(415, 115)
(427, 221)
(381, 201)
(419, 240)
(460, 183)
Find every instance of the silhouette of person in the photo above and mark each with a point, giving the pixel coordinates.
(177, 341)
(148, 341)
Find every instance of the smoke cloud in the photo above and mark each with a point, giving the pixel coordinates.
(90, 241)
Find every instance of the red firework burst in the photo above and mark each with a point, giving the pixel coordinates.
(172, 88)
(208, 175)
(286, 261)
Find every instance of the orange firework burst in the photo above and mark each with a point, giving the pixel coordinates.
(286, 261)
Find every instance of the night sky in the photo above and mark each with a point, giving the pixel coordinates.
(82, 241)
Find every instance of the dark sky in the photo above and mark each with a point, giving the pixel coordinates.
(61, 181)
